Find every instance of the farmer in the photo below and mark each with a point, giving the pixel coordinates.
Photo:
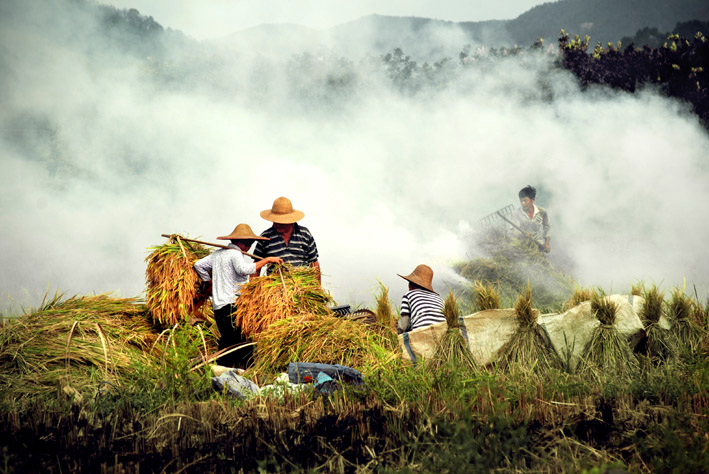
(227, 269)
(420, 306)
(533, 219)
(287, 239)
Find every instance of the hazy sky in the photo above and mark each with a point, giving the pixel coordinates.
(203, 19)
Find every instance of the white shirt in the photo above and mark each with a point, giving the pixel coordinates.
(228, 270)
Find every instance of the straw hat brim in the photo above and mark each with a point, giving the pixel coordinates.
(417, 281)
(242, 232)
(232, 237)
(289, 218)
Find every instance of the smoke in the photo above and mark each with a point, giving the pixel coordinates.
(99, 158)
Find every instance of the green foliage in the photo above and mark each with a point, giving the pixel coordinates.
(678, 67)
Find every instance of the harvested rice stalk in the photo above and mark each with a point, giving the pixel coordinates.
(486, 296)
(280, 295)
(607, 353)
(174, 288)
(318, 338)
(685, 330)
(386, 316)
(579, 296)
(659, 341)
(452, 349)
(78, 342)
(529, 348)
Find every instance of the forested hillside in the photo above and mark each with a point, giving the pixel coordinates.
(603, 20)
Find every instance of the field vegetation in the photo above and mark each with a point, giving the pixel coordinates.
(93, 384)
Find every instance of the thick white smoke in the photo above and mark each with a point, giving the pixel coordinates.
(386, 180)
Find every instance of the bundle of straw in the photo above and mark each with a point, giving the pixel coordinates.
(684, 328)
(579, 296)
(280, 295)
(607, 352)
(486, 296)
(659, 341)
(528, 348)
(452, 349)
(386, 316)
(322, 339)
(77, 342)
(510, 263)
(174, 288)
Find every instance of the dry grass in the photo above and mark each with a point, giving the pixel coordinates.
(173, 292)
(529, 348)
(579, 296)
(76, 342)
(281, 295)
(486, 296)
(386, 316)
(607, 354)
(322, 339)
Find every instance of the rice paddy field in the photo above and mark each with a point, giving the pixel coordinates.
(100, 384)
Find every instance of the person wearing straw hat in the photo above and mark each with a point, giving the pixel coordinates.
(533, 219)
(286, 238)
(227, 270)
(420, 306)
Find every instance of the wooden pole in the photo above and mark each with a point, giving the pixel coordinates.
(214, 245)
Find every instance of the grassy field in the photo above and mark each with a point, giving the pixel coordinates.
(95, 384)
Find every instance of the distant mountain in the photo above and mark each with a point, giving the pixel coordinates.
(655, 38)
(603, 20)
(422, 38)
(430, 40)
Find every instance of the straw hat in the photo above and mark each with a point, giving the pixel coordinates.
(282, 212)
(421, 276)
(242, 232)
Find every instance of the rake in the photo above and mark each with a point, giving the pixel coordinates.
(494, 218)
(505, 213)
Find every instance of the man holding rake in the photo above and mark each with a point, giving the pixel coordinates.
(227, 269)
(533, 219)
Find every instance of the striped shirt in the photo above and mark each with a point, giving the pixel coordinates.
(228, 270)
(301, 250)
(423, 307)
(538, 226)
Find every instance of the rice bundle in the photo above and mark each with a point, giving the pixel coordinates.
(685, 330)
(579, 296)
(280, 295)
(659, 342)
(386, 316)
(318, 338)
(452, 349)
(174, 288)
(486, 296)
(606, 352)
(77, 342)
(529, 348)
(509, 264)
